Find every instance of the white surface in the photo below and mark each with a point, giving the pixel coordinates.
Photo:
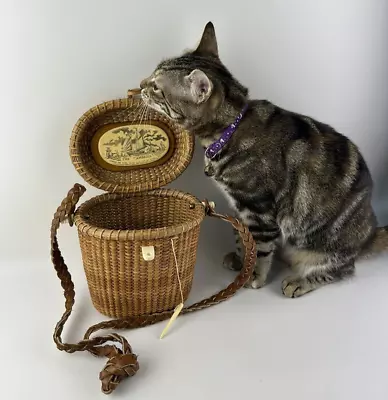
(331, 344)
(327, 59)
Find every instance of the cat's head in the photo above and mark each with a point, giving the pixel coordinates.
(192, 88)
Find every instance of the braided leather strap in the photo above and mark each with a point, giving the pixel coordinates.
(122, 362)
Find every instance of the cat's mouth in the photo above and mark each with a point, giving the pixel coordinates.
(145, 97)
(160, 107)
(150, 103)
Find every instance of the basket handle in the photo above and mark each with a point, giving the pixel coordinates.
(122, 362)
(134, 93)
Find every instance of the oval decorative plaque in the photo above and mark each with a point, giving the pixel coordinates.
(127, 146)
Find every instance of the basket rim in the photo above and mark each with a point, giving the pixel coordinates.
(177, 164)
(86, 228)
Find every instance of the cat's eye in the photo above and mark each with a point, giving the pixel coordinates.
(154, 86)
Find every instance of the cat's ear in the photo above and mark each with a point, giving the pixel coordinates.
(201, 86)
(208, 43)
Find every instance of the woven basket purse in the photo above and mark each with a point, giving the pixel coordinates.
(138, 241)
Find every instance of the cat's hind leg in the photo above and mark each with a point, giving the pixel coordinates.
(313, 270)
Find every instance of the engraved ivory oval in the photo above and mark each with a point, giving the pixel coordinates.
(133, 145)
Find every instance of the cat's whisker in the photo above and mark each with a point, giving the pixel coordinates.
(145, 113)
(135, 111)
(141, 104)
(142, 115)
(138, 107)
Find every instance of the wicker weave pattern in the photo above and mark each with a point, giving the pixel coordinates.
(122, 362)
(112, 230)
(114, 227)
(137, 180)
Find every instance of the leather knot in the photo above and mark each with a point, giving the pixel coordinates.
(117, 368)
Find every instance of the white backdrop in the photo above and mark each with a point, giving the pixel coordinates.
(59, 58)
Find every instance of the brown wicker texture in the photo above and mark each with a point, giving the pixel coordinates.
(122, 362)
(126, 110)
(113, 228)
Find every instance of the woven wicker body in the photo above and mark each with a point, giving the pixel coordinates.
(138, 241)
(114, 228)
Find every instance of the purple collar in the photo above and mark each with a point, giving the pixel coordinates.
(217, 146)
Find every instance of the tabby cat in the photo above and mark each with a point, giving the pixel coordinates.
(299, 185)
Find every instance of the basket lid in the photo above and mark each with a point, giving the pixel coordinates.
(124, 146)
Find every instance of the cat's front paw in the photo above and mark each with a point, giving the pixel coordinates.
(232, 261)
(295, 287)
(256, 282)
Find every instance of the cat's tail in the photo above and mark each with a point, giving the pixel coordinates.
(378, 244)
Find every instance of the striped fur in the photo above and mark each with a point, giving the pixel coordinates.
(298, 184)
